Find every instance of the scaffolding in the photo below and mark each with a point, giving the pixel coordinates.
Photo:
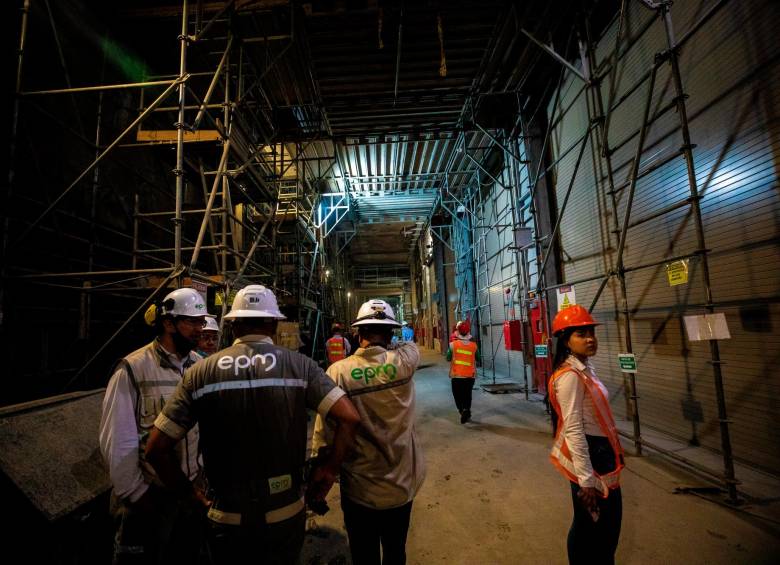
(592, 76)
(471, 206)
(261, 197)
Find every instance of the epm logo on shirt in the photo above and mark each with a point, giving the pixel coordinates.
(388, 370)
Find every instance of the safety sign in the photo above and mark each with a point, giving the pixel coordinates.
(677, 272)
(221, 296)
(540, 351)
(706, 327)
(566, 297)
(627, 362)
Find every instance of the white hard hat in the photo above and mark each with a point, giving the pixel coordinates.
(254, 301)
(183, 302)
(376, 312)
(211, 324)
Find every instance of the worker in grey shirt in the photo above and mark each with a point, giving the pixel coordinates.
(250, 402)
(381, 478)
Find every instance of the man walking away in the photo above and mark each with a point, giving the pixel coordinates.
(464, 355)
(337, 347)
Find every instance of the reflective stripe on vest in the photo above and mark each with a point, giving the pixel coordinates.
(560, 456)
(336, 349)
(463, 359)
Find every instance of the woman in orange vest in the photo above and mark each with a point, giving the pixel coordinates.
(464, 355)
(587, 450)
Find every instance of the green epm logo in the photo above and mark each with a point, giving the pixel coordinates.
(388, 369)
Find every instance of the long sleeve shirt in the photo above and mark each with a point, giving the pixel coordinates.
(119, 440)
(579, 417)
(386, 468)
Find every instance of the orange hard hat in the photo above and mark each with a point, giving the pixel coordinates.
(463, 327)
(575, 316)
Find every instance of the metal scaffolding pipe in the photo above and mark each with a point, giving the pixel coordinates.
(725, 437)
(555, 56)
(635, 170)
(179, 170)
(94, 163)
(554, 233)
(211, 22)
(212, 196)
(205, 103)
(163, 285)
(86, 274)
(398, 55)
(100, 88)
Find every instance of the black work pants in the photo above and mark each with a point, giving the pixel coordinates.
(589, 542)
(279, 543)
(461, 392)
(169, 532)
(368, 528)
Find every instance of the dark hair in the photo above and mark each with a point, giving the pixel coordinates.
(561, 348)
(244, 326)
(376, 330)
(561, 354)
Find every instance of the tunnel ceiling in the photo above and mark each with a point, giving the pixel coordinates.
(385, 102)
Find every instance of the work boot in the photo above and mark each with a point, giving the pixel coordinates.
(465, 416)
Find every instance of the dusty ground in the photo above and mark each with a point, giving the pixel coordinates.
(491, 496)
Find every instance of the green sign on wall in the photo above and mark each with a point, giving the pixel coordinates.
(627, 362)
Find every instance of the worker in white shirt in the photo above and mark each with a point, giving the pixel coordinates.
(154, 524)
(587, 450)
(380, 480)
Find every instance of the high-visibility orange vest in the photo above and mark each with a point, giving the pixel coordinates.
(560, 454)
(336, 349)
(463, 359)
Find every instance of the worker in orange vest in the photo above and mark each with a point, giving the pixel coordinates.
(337, 347)
(586, 450)
(464, 355)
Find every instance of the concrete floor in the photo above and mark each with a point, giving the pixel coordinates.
(491, 496)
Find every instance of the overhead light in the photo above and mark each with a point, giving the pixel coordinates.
(327, 272)
(349, 294)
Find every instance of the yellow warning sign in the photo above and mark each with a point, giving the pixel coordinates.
(566, 297)
(220, 296)
(677, 272)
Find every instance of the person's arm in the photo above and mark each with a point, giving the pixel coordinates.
(161, 456)
(409, 354)
(170, 427)
(570, 392)
(322, 435)
(346, 419)
(118, 438)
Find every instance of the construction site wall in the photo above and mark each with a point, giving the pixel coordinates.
(731, 78)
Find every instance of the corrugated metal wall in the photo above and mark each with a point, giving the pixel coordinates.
(499, 272)
(730, 72)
